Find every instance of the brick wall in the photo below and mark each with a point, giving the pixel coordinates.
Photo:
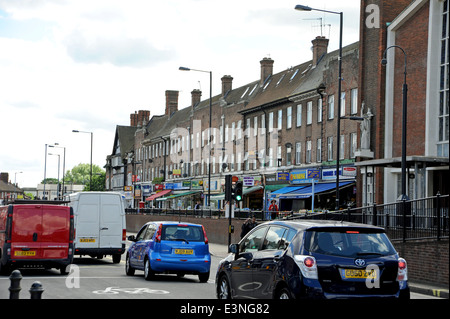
(427, 260)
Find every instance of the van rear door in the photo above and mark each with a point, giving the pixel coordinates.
(111, 221)
(55, 232)
(87, 225)
(26, 232)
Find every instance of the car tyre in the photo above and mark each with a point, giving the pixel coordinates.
(116, 258)
(203, 277)
(148, 272)
(128, 269)
(223, 290)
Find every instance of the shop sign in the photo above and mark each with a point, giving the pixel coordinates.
(248, 181)
(282, 176)
(304, 176)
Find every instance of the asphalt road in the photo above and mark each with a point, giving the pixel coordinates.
(91, 278)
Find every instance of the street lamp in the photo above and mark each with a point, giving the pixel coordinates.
(404, 117)
(338, 149)
(92, 137)
(182, 68)
(57, 187)
(64, 164)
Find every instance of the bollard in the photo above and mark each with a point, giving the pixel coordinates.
(36, 290)
(15, 288)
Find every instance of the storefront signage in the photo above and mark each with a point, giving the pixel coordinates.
(304, 176)
(282, 176)
(248, 180)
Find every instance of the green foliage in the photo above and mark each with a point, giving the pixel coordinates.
(80, 174)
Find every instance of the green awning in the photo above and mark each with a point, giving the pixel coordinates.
(275, 187)
(182, 194)
(245, 191)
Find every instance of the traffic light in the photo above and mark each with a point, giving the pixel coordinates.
(238, 192)
(228, 188)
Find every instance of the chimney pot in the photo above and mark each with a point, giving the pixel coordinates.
(196, 96)
(266, 69)
(227, 84)
(171, 102)
(320, 47)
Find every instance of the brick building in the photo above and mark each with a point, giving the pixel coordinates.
(421, 29)
(271, 133)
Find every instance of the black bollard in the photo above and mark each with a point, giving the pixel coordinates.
(15, 289)
(36, 290)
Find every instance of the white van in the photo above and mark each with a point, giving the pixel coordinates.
(100, 227)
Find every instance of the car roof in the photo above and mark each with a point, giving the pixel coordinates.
(165, 222)
(304, 224)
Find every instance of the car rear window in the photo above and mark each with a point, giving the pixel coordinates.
(182, 232)
(349, 242)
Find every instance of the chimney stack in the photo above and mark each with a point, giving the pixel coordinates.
(196, 96)
(320, 47)
(134, 119)
(266, 69)
(143, 117)
(171, 102)
(4, 177)
(227, 84)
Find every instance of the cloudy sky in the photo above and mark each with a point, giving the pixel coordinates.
(88, 64)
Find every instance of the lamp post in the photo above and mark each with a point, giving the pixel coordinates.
(181, 68)
(57, 187)
(338, 148)
(404, 196)
(92, 137)
(64, 164)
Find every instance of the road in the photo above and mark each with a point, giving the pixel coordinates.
(101, 279)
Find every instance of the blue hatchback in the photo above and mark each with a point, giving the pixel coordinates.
(169, 247)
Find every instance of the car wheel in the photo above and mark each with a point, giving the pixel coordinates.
(284, 294)
(223, 290)
(203, 277)
(116, 258)
(63, 270)
(128, 269)
(148, 272)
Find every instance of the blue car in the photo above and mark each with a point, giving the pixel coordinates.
(169, 247)
(313, 259)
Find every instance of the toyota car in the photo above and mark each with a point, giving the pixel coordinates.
(169, 247)
(313, 259)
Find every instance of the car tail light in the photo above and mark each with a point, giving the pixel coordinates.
(204, 234)
(402, 274)
(158, 234)
(124, 234)
(307, 265)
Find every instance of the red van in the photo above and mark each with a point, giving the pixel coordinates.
(36, 235)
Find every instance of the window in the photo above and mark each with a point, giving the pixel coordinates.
(330, 148)
(280, 119)
(354, 101)
(342, 148)
(299, 115)
(331, 107)
(309, 113)
(298, 153)
(239, 129)
(293, 75)
(342, 111)
(263, 124)
(279, 158)
(274, 238)
(443, 118)
(319, 150)
(289, 117)
(253, 241)
(255, 126)
(270, 121)
(319, 110)
(353, 145)
(270, 157)
(308, 151)
(289, 154)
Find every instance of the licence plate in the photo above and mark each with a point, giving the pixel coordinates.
(184, 251)
(87, 240)
(358, 273)
(24, 253)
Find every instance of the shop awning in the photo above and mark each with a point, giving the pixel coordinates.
(183, 194)
(161, 193)
(306, 192)
(274, 187)
(285, 190)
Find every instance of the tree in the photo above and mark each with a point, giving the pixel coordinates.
(80, 174)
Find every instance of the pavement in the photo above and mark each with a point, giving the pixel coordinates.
(220, 250)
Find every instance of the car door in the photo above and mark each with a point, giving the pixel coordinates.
(111, 218)
(137, 247)
(241, 268)
(265, 261)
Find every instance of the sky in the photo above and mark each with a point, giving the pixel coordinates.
(88, 64)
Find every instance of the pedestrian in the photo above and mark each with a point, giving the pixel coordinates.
(197, 206)
(273, 208)
(248, 225)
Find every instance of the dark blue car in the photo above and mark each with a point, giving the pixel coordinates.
(169, 247)
(313, 259)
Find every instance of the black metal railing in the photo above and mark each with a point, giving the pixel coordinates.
(403, 220)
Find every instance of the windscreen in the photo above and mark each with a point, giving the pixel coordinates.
(182, 232)
(348, 243)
